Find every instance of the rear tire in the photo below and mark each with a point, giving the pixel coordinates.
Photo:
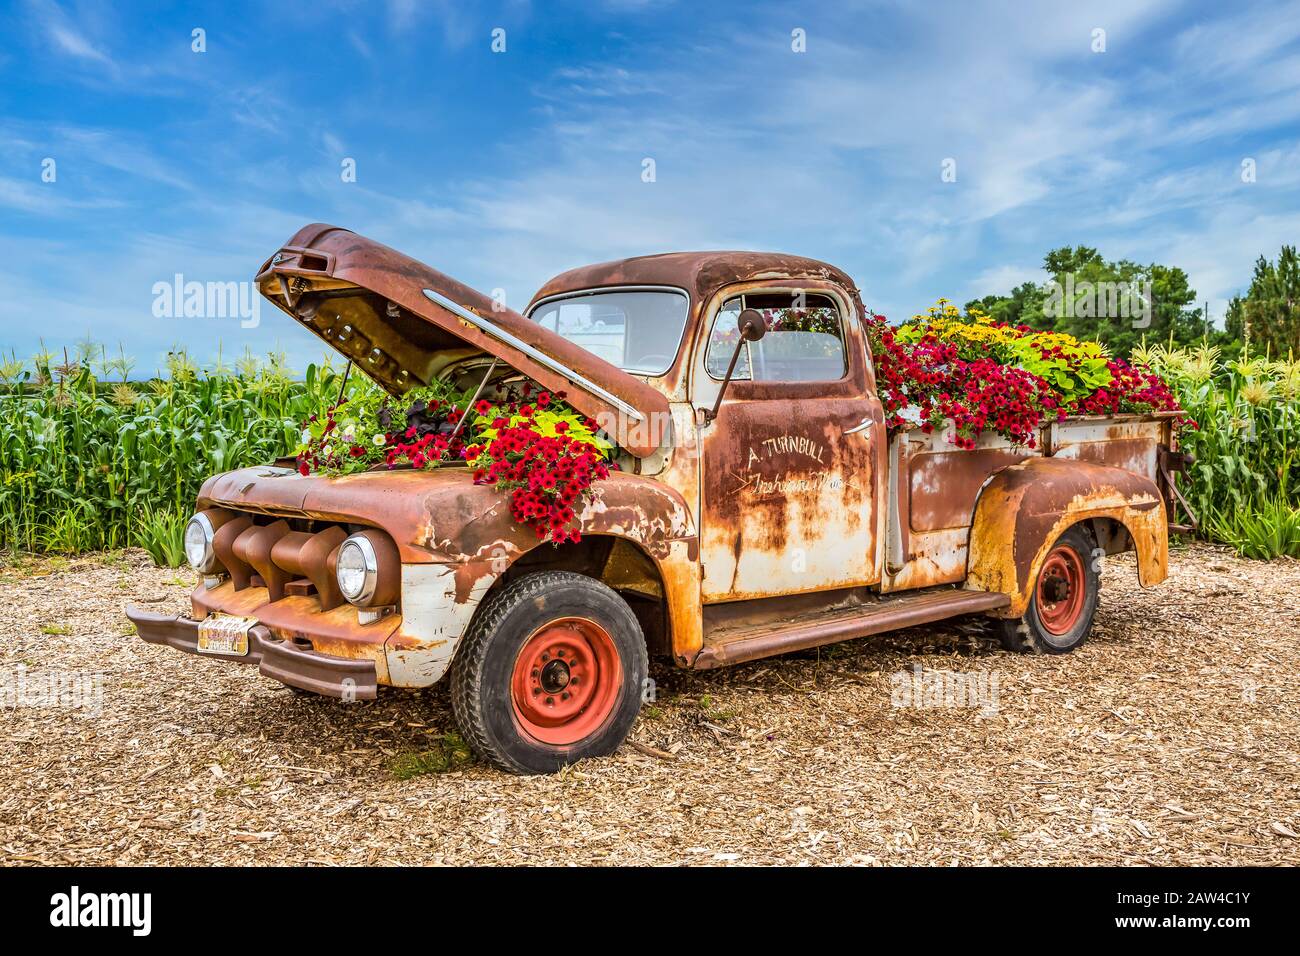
(1063, 603)
(549, 673)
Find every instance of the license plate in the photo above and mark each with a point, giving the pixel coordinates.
(225, 634)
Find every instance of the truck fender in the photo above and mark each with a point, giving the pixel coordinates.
(476, 540)
(1025, 507)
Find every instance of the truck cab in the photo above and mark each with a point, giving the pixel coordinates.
(758, 506)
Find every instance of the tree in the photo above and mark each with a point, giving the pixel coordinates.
(1268, 318)
(1025, 299)
(1119, 303)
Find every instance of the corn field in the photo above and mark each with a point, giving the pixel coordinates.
(90, 460)
(88, 463)
(1245, 484)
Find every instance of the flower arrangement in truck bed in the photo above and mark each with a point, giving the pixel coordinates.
(982, 375)
(524, 440)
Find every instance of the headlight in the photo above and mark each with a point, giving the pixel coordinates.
(357, 569)
(198, 544)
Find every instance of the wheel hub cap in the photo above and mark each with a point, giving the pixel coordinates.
(566, 681)
(1061, 593)
(555, 677)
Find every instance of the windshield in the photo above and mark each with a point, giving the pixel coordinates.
(638, 330)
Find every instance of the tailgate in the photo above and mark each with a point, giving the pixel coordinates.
(1130, 442)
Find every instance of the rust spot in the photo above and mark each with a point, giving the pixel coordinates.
(944, 485)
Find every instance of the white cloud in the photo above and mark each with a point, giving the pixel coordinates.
(45, 199)
(64, 36)
(834, 153)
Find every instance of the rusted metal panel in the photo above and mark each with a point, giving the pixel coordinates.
(938, 557)
(781, 637)
(1128, 443)
(334, 632)
(454, 539)
(931, 549)
(945, 484)
(703, 275)
(277, 657)
(942, 479)
(680, 570)
(402, 346)
(1027, 506)
(790, 472)
(700, 273)
(789, 499)
(442, 516)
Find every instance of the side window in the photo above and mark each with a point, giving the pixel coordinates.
(802, 344)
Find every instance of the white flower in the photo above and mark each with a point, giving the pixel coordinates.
(379, 439)
(349, 431)
(327, 450)
(306, 436)
(912, 414)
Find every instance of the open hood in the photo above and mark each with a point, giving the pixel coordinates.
(404, 324)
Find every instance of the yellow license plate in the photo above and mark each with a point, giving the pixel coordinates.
(225, 634)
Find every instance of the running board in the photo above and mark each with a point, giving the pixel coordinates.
(734, 645)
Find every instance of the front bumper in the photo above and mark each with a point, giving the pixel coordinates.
(283, 659)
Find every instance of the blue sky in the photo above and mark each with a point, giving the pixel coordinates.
(505, 168)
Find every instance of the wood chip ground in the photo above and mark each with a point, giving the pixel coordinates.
(1171, 737)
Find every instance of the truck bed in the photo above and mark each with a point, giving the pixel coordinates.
(933, 485)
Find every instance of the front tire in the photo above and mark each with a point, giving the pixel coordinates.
(1064, 602)
(549, 673)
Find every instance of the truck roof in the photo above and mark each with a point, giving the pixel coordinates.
(699, 273)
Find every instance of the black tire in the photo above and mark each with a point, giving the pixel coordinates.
(1041, 630)
(489, 662)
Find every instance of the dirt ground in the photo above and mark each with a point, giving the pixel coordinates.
(1171, 737)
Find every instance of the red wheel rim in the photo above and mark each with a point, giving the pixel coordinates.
(1062, 587)
(566, 681)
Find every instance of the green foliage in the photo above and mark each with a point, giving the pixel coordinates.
(91, 464)
(161, 533)
(1244, 482)
(449, 752)
(88, 464)
(1269, 530)
(1085, 297)
(1268, 318)
(347, 439)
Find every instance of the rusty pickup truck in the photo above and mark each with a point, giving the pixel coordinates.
(759, 505)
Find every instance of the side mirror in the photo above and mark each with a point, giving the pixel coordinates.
(752, 327)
